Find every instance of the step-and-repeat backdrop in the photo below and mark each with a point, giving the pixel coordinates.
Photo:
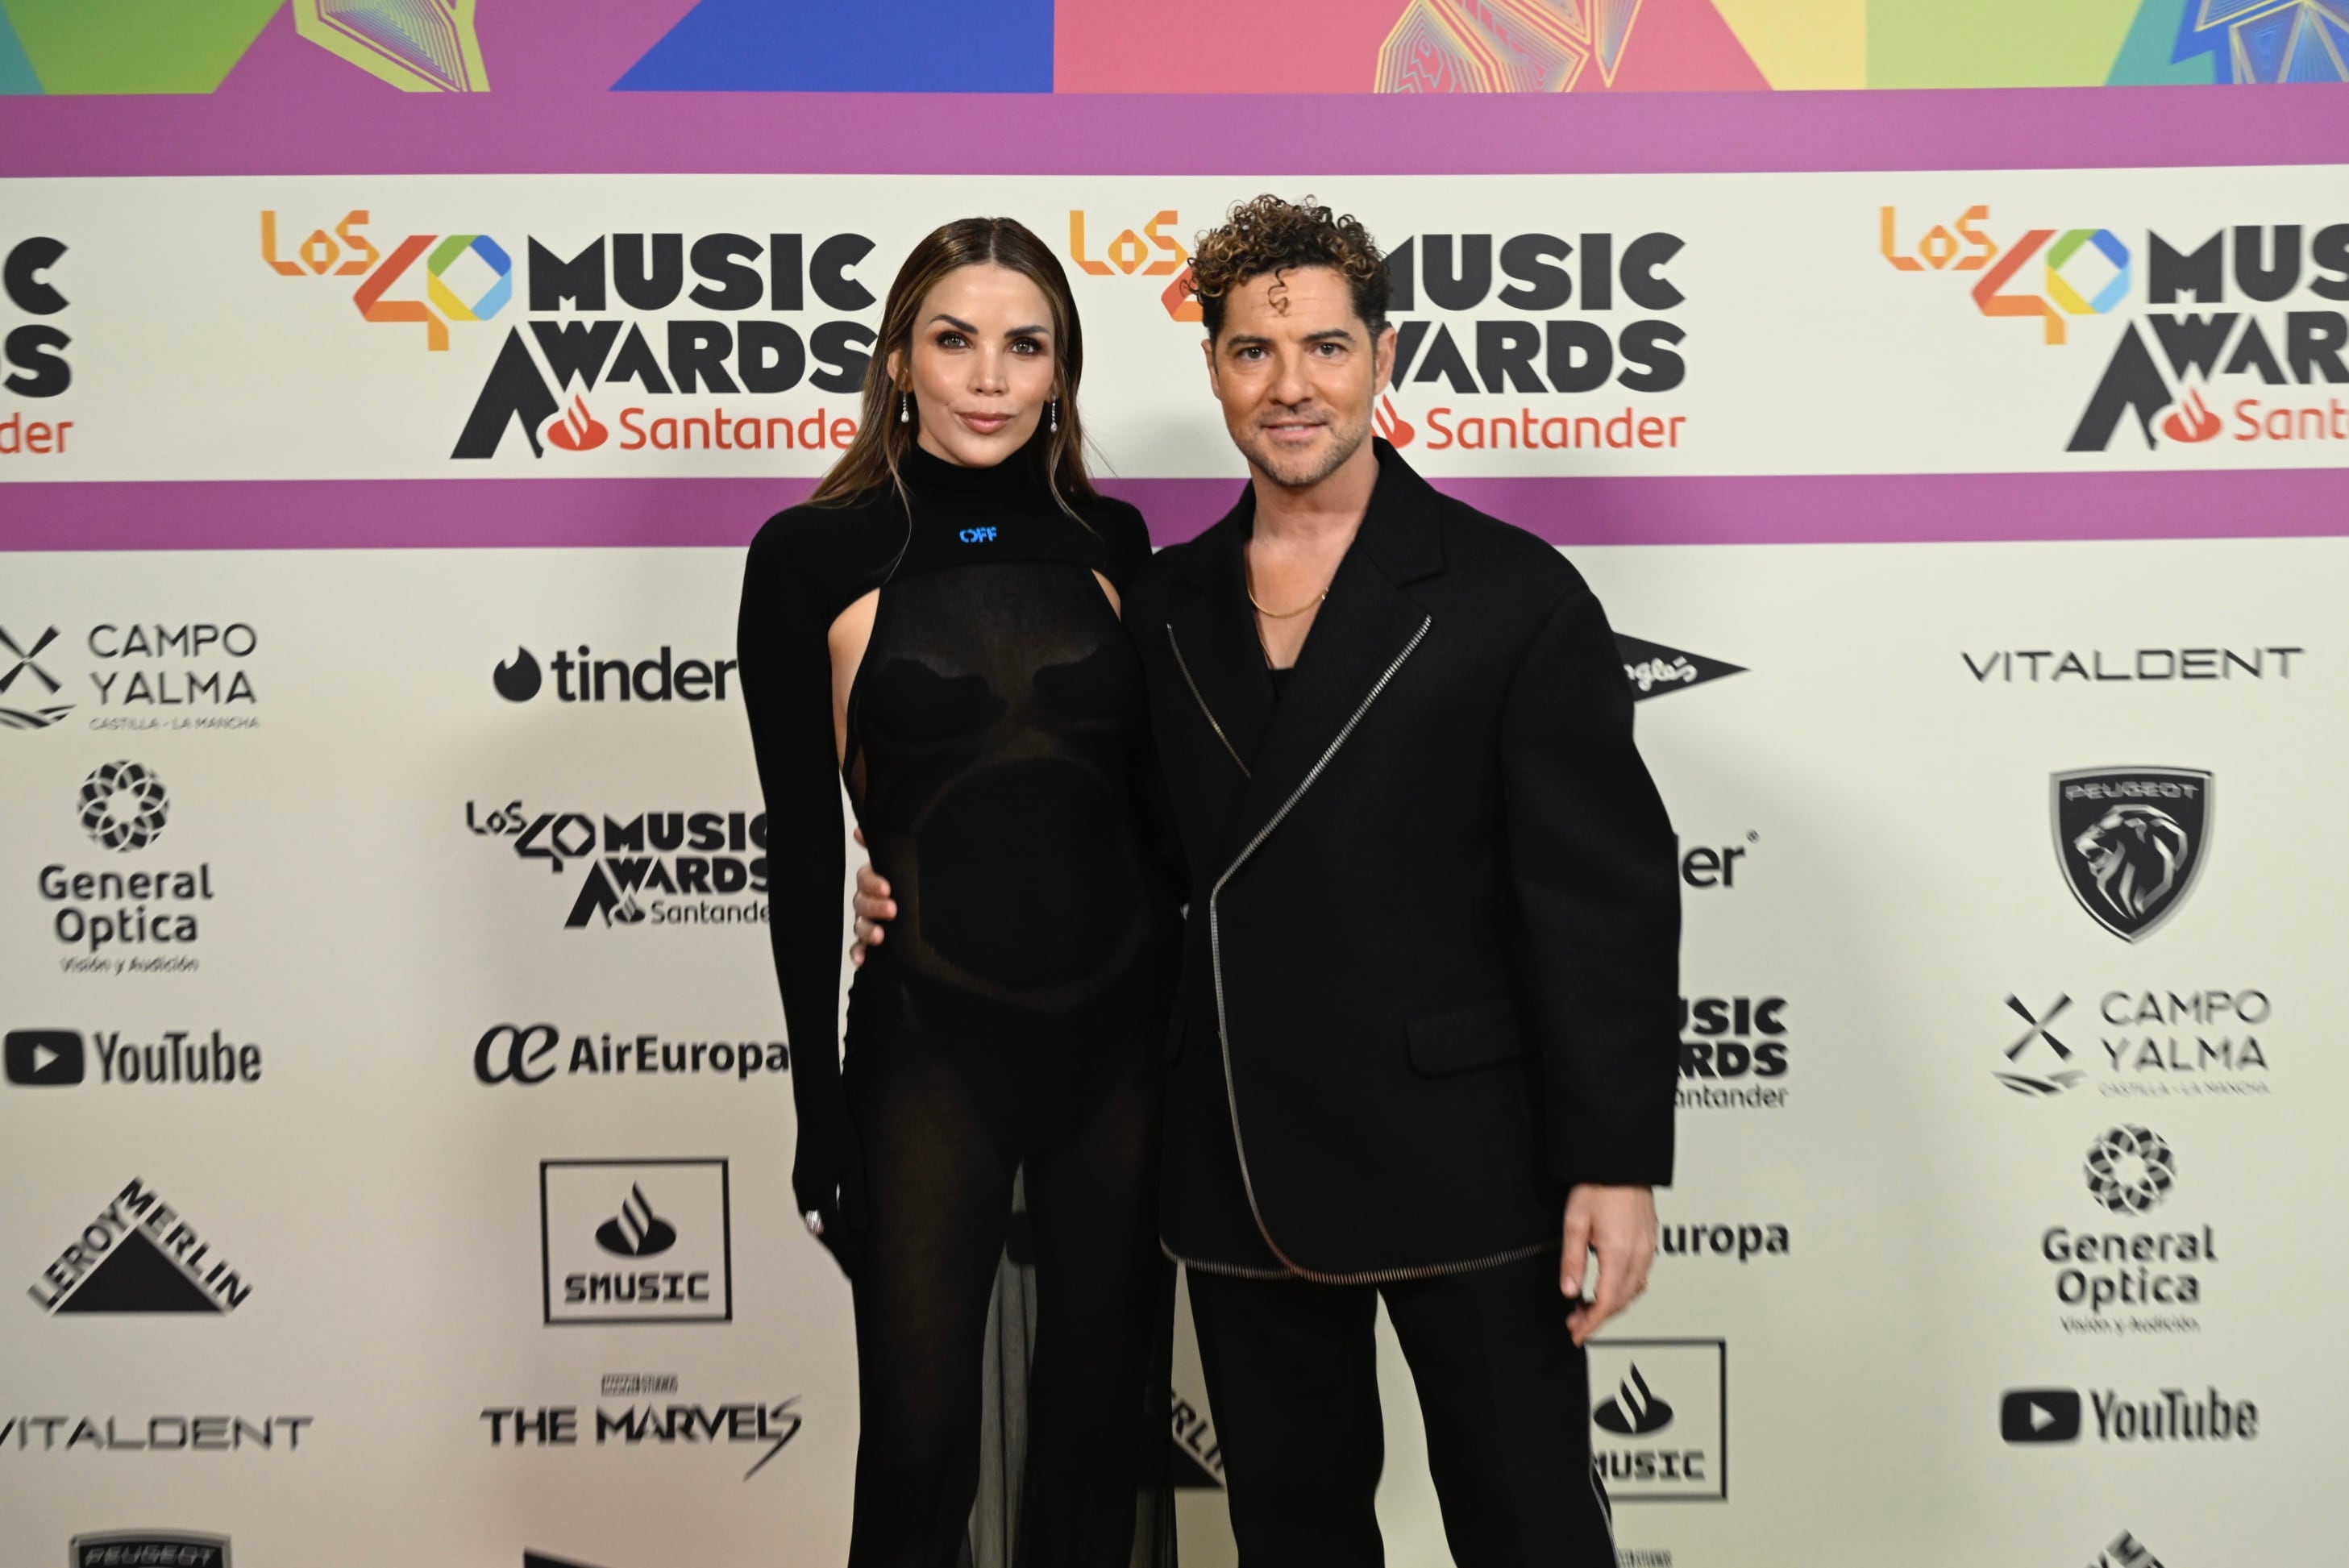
(396, 1118)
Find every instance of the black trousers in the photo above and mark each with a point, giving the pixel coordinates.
(1292, 1381)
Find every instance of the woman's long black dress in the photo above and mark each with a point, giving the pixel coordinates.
(1002, 1042)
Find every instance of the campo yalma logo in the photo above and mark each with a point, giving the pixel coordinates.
(2130, 1170)
(123, 805)
(39, 718)
(2052, 1083)
(2131, 841)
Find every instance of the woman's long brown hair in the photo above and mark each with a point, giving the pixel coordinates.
(875, 456)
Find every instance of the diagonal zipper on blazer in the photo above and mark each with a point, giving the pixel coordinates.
(1184, 665)
(1223, 1036)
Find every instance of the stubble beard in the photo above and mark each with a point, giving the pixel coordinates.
(1299, 472)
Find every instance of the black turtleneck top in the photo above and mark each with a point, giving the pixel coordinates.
(997, 753)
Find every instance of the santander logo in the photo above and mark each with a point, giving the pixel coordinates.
(1399, 431)
(2191, 421)
(576, 430)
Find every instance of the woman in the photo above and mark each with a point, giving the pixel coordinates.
(938, 626)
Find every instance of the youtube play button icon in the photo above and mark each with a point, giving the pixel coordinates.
(41, 1057)
(2039, 1416)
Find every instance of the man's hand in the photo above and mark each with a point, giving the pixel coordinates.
(874, 906)
(1618, 1224)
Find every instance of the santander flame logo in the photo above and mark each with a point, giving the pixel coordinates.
(577, 429)
(635, 1232)
(1399, 431)
(2190, 421)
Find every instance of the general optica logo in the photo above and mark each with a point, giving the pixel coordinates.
(2055, 277)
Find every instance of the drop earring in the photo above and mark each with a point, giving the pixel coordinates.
(1052, 413)
(905, 408)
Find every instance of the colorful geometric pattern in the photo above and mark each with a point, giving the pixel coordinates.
(854, 46)
(557, 49)
(416, 46)
(2267, 40)
(1503, 45)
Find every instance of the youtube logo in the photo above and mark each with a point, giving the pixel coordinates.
(2040, 1416)
(39, 1057)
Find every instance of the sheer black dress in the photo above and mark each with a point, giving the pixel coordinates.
(985, 1155)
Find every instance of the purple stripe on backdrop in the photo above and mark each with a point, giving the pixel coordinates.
(332, 120)
(1800, 510)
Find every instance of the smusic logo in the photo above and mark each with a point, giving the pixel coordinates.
(149, 1549)
(2131, 842)
(1648, 1447)
(636, 1241)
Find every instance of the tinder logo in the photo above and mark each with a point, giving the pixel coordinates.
(577, 429)
(2190, 421)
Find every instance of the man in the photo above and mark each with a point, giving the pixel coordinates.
(1426, 1030)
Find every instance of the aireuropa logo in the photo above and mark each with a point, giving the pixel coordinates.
(531, 1054)
(581, 677)
(2052, 277)
(599, 1218)
(25, 665)
(2131, 842)
(699, 867)
(1659, 1430)
(149, 1549)
(1538, 324)
(1657, 671)
(138, 1255)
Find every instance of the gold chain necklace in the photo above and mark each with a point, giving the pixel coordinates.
(1247, 586)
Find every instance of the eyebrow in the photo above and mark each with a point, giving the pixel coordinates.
(1326, 335)
(961, 325)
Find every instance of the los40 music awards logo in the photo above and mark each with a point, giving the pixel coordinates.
(2249, 315)
(655, 867)
(765, 315)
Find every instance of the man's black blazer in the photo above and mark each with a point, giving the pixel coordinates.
(1429, 972)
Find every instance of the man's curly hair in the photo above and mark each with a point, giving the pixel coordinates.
(1268, 234)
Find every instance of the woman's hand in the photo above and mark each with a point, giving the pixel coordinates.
(873, 909)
